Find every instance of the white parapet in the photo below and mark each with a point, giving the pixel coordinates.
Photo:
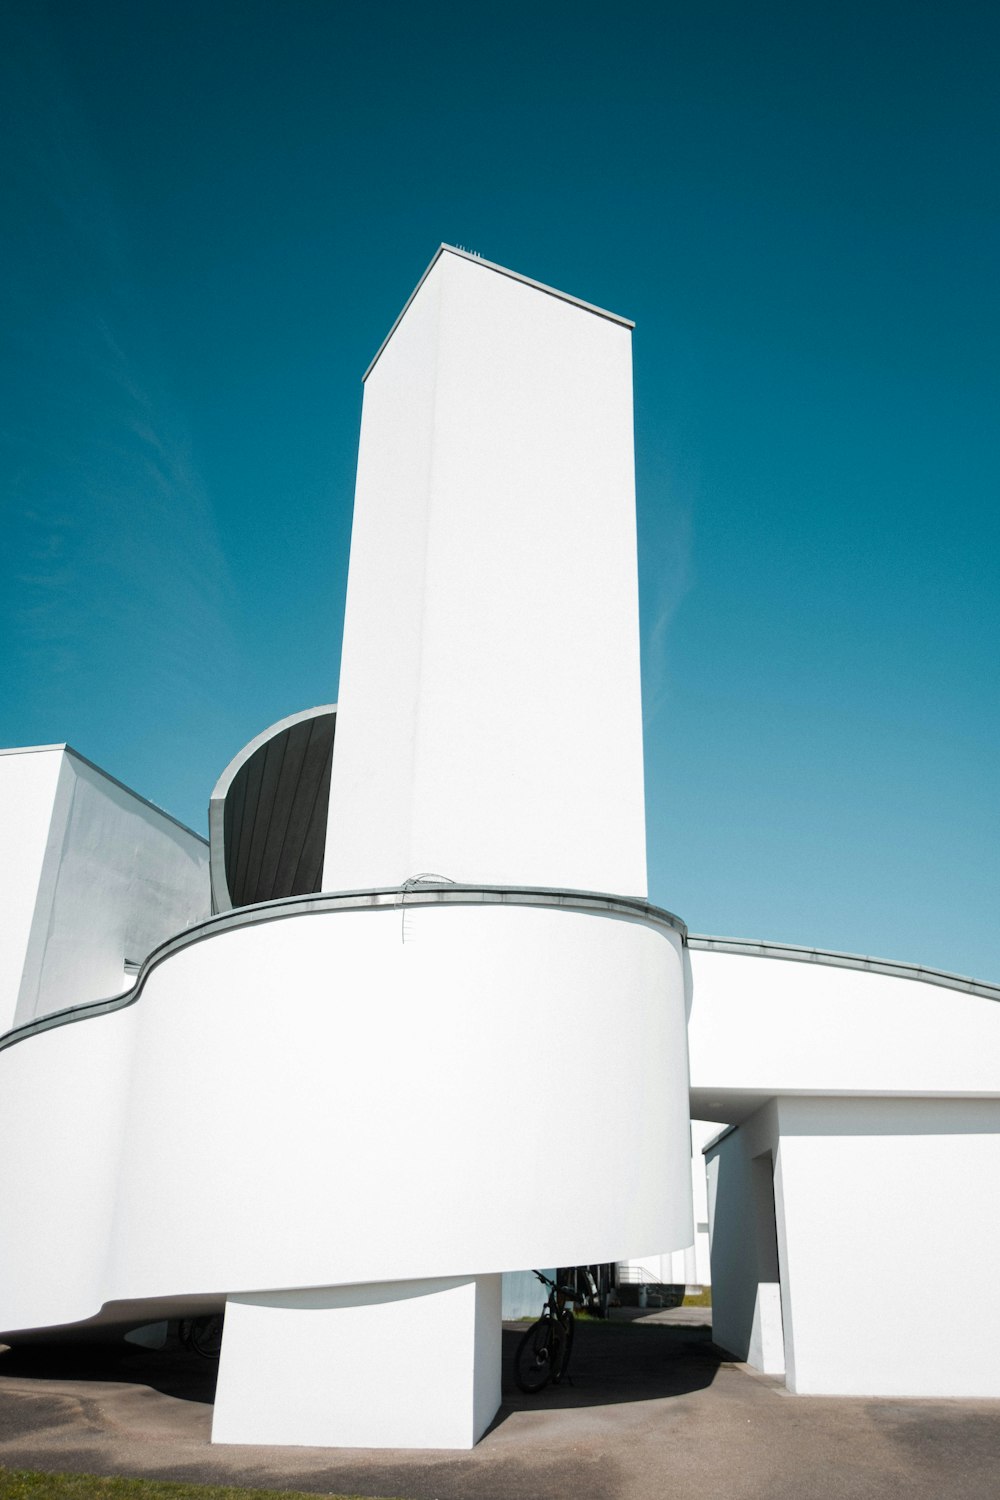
(490, 724)
(385, 1366)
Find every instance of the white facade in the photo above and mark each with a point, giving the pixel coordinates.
(866, 1140)
(93, 878)
(690, 1265)
(301, 1111)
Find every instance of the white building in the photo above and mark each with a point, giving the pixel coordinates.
(298, 1111)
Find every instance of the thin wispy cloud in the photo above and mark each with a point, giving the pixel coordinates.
(666, 578)
(114, 564)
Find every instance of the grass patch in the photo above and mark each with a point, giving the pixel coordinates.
(22, 1484)
(700, 1299)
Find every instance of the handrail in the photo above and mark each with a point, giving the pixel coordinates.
(407, 895)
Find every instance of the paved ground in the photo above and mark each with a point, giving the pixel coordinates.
(655, 1413)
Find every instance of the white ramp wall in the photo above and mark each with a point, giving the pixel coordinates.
(313, 1098)
(490, 717)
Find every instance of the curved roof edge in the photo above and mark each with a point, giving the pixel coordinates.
(413, 892)
(217, 801)
(755, 948)
(239, 760)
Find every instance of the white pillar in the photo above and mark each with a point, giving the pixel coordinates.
(405, 1364)
(490, 725)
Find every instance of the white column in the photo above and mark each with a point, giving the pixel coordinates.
(406, 1364)
(490, 721)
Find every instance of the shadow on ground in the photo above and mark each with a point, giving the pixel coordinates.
(172, 1370)
(612, 1362)
(615, 1362)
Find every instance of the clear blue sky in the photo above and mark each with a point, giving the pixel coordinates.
(218, 208)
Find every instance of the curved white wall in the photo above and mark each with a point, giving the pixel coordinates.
(322, 1100)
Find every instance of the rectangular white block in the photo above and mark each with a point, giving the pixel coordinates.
(490, 726)
(883, 1198)
(406, 1364)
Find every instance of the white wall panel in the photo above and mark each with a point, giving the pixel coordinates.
(892, 1230)
(120, 877)
(28, 780)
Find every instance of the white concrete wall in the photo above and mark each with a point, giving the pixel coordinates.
(892, 1243)
(762, 1027)
(319, 1101)
(880, 1130)
(872, 1198)
(28, 780)
(383, 1366)
(490, 718)
(117, 878)
(692, 1265)
(746, 1300)
(64, 1103)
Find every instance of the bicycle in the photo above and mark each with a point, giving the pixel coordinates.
(203, 1336)
(544, 1351)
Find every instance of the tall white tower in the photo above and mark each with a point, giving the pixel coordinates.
(490, 723)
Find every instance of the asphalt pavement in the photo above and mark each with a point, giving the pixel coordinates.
(654, 1412)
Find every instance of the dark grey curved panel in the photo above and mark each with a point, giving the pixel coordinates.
(267, 815)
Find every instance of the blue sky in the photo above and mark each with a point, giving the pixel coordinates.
(216, 211)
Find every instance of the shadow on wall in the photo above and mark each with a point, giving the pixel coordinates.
(744, 1245)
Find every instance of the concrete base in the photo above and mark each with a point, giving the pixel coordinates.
(406, 1364)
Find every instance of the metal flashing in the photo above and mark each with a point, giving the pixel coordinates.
(718, 1138)
(489, 265)
(38, 749)
(132, 793)
(754, 948)
(31, 749)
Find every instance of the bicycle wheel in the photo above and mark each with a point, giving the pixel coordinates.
(565, 1348)
(533, 1362)
(205, 1337)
